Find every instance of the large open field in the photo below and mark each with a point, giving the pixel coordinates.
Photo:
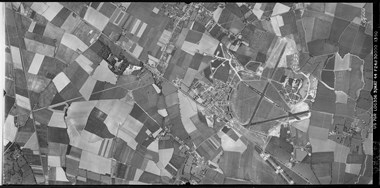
(244, 101)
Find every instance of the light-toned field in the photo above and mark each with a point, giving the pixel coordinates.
(340, 153)
(165, 155)
(152, 168)
(342, 63)
(228, 144)
(216, 14)
(73, 42)
(77, 114)
(341, 97)
(322, 145)
(290, 49)
(280, 8)
(88, 160)
(10, 129)
(119, 110)
(353, 168)
(95, 18)
(60, 174)
(275, 53)
(302, 125)
(57, 120)
(188, 109)
(368, 145)
(87, 88)
(85, 63)
(103, 73)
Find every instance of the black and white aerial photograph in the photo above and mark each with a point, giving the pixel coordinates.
(189, 93)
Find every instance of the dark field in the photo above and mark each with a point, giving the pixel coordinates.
(337, 28)
(146, 97)
(193, 36)
(346, 12)
(198, 27)
(322, 157)
(58, 135)
(222, 73)
(330, 63)
(148, 177)
(320, 47)
(95, 124)
(322, 169)
(196, 61)
(365, 100)
(328, 77)
(345, 41)
(321, 29)
(325, 100)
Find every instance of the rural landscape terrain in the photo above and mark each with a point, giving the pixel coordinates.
(199, 93)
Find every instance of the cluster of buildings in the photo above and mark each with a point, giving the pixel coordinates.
(292, 87)
(194, 168)
(174, 9)
(215, 97)
(17, 166)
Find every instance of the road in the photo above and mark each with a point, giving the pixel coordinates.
(258, 104)
(21, 44)
(278, 118)
(262, 95)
